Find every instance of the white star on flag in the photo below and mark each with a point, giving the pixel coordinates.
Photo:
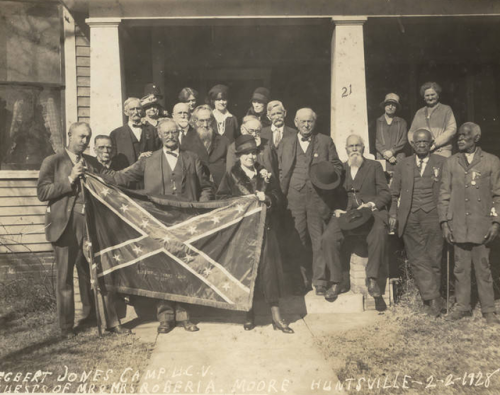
(240, 208)
(207, 271)
(226, 286)
(188, 258)
(192, 230)
(117, 258)
(166, 239)
(137, 250)
(145, 223)
(215, 220)
(124, 208)
(105, 192)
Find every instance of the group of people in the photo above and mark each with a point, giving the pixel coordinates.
(320, 208)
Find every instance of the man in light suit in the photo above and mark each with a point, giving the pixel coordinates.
(366, 186)
(59, 185)
(135, 139)
(169, 171)
(415, 190)
(278, 130)
(469, 203)
(310, 207)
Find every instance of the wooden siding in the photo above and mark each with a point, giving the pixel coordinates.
(82, 75)
(22, 218)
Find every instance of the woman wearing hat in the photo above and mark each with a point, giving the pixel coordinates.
(248, 177)
(258, 109)
(436, 117)
(224, 122)
(390, 140)
(190, 97)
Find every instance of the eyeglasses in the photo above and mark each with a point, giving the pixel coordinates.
(253, 132)
(170, 133)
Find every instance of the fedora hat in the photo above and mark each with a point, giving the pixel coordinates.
(323, 175)
(245, 144)
(356, 221)
(391, 98)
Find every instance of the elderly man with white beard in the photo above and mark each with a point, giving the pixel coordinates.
(366, 187)
(210, 147)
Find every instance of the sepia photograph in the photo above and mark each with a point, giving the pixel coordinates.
(250, 197)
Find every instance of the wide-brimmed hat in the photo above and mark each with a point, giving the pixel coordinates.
(261, 94)
(245, 144)
(356, 221)
(324, 175)
(218, 92)
(391, 98)
(152, 89)
(149, 100)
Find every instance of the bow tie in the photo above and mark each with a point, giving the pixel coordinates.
(172, 153)
(306, 138)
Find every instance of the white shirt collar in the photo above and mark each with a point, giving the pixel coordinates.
(165, 149)
(424, 161)
(275, 129)
(220, 117)
(72, 156)
(470, 157)
(250, 173)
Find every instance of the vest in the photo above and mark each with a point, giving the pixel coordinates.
(423, 193)
(300, 174)
(172, 179)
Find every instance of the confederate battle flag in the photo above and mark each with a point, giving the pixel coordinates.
(200, 253)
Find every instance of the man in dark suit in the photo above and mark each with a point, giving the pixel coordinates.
(210, 146)
(278, 130)
(59, 185)
(181, 114)
(415, 190)
(135, 139)
(169, 171)
(310, 207)
(105, 155)
(469, 203)
(266, 154)
(366, 186)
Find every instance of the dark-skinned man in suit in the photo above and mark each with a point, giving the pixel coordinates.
(59, 185)
(415, 190)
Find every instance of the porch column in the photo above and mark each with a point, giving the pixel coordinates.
(349, 111)
(106, 83)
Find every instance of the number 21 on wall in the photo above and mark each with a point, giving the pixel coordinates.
(346, 90)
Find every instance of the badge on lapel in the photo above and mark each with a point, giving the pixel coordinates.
(436, 173)
(476, 175)
(316, 155)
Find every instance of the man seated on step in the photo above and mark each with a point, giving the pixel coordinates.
(368, 196)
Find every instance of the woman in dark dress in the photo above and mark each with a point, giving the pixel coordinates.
(224, 122)
(258, 109)
(248, 177)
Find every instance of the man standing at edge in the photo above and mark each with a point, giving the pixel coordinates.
(469, 203)
(59, 185)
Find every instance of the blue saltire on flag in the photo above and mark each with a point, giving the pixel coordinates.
(200, 253)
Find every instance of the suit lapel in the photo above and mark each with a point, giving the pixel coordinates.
(360, 175)
(410, 170)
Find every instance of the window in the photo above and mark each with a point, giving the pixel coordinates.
(31, 119)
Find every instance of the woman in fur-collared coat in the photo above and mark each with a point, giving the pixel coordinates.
(248, 177)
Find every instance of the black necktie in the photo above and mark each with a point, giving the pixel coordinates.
(420, 166)
(174, 154)
(305, 138)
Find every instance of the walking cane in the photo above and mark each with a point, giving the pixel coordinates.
(447, 279)
(92, 266)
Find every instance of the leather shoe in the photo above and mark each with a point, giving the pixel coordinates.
(491, 319)
(282, 326)
(120, 330)
(166, 326)
(435, 307)
(333, 292)
(373, 288)
(320, 290)
(249, 321)
(458, 315)
(189, 326)
(68, 334)
(87, 323)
